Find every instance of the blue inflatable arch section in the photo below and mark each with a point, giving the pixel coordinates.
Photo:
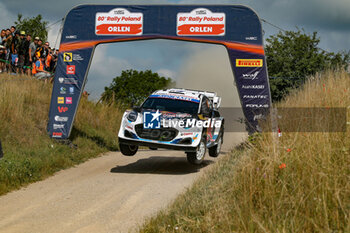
(236, 27)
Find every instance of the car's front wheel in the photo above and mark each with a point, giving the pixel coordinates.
(197, 157)
(128, 150)
(215, 150)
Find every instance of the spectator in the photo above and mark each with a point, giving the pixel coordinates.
(13, 29)
(22, 50)
(40, 48)
(32, 49)
(46, 49)
(38, 68)
(14, 61)
(27, 62)
(8, 43)
(2, 50)
(14, 46)
(48, 60)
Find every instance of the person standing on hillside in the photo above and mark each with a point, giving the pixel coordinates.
(2, 50)
(8, 43)
(22, 51)
(31, 51)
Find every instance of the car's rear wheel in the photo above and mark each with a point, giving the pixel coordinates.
(197, 157)
(128, 150)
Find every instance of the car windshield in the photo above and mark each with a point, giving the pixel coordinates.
(170, 105)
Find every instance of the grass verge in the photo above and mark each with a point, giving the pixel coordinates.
(298, 183)
(30, 155)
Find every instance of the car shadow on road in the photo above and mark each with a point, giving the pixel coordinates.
(161, 165)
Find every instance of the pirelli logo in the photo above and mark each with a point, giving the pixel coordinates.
(249, 62)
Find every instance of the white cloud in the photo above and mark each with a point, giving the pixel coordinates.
(167, 73)
(102, 71)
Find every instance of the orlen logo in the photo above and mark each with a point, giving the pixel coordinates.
(71, 69)
(249, 62)
(251, 76)
(62, 109)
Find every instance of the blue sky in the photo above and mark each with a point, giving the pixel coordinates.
(172, 58)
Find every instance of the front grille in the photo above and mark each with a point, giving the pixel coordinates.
(162, 134)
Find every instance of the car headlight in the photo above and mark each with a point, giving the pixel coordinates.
(132, 116)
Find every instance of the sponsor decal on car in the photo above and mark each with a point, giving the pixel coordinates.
(60, 100)
(201, 22)
(62, 109)
(249, 62)
(57, 134)
(61, 119)
(119, 21)
(176, 97)
(70, 69)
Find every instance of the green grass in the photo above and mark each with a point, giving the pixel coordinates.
(298, 183)
(30, 155)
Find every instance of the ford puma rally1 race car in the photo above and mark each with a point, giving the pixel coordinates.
(177, 119)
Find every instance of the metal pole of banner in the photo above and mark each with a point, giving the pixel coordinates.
(1, 152)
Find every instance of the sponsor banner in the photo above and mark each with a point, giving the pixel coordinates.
(255, 96)
(251, 76)
(177, 97)
(57, 126)
(57, 134)
(61, 119)
(257, 105)
(119, 21)
(67, 57)
(62, 109)
(67, 81)
(60, 100)
(253, 86)
(249, 62)
(201, 22)
(70, 69)
(69, 100)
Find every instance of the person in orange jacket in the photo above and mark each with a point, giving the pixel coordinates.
(38, 68)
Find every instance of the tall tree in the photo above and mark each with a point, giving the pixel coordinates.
(132, 87)
(34, 26)
(292, 56)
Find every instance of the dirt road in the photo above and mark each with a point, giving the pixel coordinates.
(112, 193)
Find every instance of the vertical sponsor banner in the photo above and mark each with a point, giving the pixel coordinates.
(252, 85)
(68, 85)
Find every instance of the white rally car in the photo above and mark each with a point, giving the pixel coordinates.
(177, 119)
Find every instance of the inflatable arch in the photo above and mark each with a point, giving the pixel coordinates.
(236, 27)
